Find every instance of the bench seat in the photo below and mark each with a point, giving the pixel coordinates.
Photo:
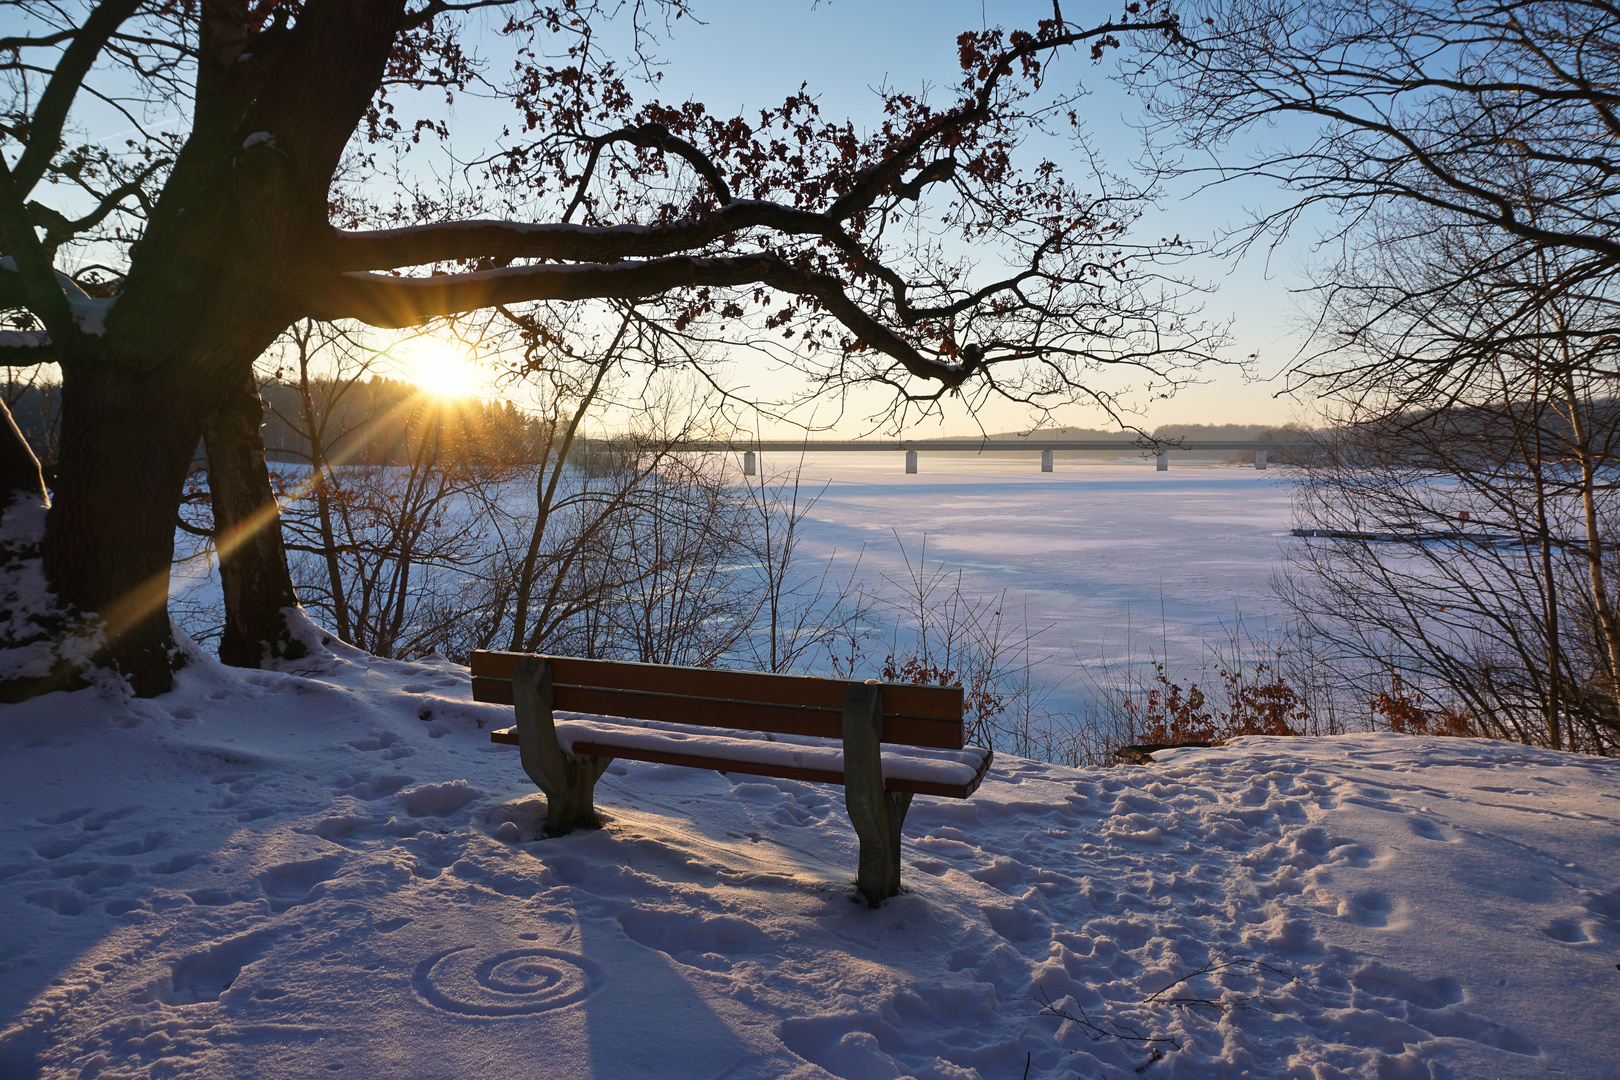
(952, 774)
(882, 742)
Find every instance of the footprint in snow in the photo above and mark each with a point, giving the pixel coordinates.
(290, 884)
(383, 743)
(150, 842)
(702, 941)
(1568, 931)
(211, 897)
(175, 864)
(56, 849)
(63, 901)
(371, 788)
(1387, 982)
(1606, 906)
(1367, 909)
(1425, 828)
(205, 975)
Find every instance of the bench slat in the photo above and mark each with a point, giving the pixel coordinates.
(726, 713)
(508, 736)
(938, 702)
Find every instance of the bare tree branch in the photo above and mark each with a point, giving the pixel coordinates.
(398, 302)
(45, 127)
(33, 267)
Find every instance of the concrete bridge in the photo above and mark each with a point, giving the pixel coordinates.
(752, 447)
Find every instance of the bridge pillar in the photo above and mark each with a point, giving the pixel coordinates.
(1046, 461)
(1259, 459)
(911, 461)
(749, 464)
(1164, 461)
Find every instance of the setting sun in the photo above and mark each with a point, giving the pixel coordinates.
(445, 371)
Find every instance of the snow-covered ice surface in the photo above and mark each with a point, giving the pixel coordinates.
(334, 873)
(1110, 558)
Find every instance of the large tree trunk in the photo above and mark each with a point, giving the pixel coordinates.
(247, 528)
(127, 440)
(218, 272)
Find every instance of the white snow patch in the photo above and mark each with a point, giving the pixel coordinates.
(437, 800)
(782, 751)
(24, 339)
(91, 315)
(69, 286)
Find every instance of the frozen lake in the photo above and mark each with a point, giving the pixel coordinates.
(1112, 557)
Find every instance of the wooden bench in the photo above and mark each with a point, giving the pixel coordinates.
(884, 742)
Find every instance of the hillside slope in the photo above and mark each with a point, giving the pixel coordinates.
(334, 873)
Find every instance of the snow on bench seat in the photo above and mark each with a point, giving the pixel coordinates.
(952, 774)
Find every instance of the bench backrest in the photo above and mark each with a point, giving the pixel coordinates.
(737, 700)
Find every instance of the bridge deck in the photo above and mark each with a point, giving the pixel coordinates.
(988, 447)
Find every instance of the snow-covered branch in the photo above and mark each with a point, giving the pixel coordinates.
(25, 348)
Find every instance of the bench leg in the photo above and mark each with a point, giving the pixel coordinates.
(569, 780)
(876, 814)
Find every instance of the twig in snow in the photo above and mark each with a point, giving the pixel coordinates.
(1105, 1028)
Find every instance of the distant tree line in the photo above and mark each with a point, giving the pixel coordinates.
(374, 418)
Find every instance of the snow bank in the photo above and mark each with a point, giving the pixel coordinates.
(333, 872)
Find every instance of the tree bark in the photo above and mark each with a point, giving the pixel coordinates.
(127, 440)
(247, 533)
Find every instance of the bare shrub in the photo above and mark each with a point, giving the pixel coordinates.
(801, 615)
(1247, 684)
(1466, 581)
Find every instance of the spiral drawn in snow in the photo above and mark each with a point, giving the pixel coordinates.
(515, 982)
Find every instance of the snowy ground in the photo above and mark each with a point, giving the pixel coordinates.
(335, 873)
